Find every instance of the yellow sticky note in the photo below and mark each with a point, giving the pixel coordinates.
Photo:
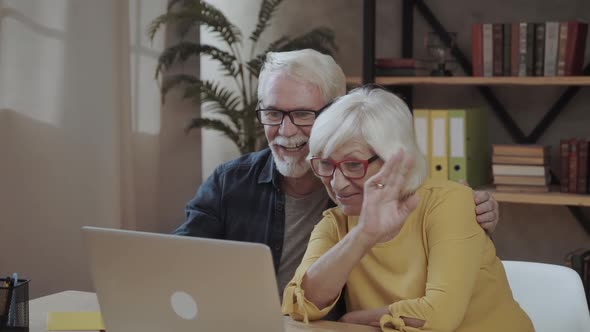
(75, 321)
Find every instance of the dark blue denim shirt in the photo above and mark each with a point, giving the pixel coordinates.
(241, 201)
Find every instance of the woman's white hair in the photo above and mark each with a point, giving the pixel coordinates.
(380, 118)
(307, 66)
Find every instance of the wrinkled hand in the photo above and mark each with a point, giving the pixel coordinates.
(384, 209)
(365, 317)
(487, 210)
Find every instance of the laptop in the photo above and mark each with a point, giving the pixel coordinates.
(155, 282)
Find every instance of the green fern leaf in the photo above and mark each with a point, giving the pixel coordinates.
(321, 39)
(172, 81)
(214, 124)
(267, 9)
(224, 99)
(179, 18)
(255, 65)
(181, 3)
(182, 51)
(253, 132)
(193, 13)
(215, 21)
(214, 97)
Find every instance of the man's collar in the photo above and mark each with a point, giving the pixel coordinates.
(270, 173)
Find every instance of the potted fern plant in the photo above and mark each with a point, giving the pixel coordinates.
(237, 107)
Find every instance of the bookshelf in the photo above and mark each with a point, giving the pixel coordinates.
(470, 80)
(551, 198)
(404, 85)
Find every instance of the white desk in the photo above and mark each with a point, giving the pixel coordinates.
(84, 301)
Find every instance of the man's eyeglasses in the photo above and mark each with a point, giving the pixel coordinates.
(352, 169)
(272, 117)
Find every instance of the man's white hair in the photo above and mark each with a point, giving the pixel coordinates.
(380, 118)
(307, 66)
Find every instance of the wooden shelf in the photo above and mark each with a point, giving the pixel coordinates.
(468, 80)
(550, 198)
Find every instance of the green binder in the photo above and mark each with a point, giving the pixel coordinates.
(468, 147)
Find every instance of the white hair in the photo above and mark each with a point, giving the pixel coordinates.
(307, 66)
(380, 118)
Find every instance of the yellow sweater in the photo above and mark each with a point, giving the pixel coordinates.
(440, 268)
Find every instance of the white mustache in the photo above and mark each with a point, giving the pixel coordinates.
(290, 142)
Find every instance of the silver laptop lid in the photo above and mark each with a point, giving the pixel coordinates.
(155, 282)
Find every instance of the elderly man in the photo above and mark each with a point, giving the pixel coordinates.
(272, 196)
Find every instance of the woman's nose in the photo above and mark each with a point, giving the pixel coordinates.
(338, 181)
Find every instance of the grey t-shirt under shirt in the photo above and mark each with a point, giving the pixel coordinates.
(301, 215)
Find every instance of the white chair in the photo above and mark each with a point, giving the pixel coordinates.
(552, 296)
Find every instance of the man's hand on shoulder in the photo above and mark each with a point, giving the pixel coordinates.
(487, 210)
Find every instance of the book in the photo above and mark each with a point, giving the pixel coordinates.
(522, 47)
(577, 259)
(521, 150)
(572, 173)
(399, 63)
(539, 48)
(572, 259)
(517, 160)
(506, 32)
(477, 49)
(522, 180)
(520, 170)
(561, 49)
(576, 47)
(521, 188)
(582, 186)
(487, 50)
(4, 299)
(564, 153)
(514, 48)
(586, 274)
(551, 48)
(497, 51)
(530, 49)
(567, 260)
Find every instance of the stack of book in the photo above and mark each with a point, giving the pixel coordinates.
(400, 67)
(574, 161)
(528, 49)
(521, 168)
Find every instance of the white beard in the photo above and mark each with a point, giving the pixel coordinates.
(294, 167)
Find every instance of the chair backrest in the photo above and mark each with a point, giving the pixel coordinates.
(552, 295)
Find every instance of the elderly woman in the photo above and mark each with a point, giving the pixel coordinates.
(407, 249)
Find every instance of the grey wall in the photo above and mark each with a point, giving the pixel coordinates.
(526, 232)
